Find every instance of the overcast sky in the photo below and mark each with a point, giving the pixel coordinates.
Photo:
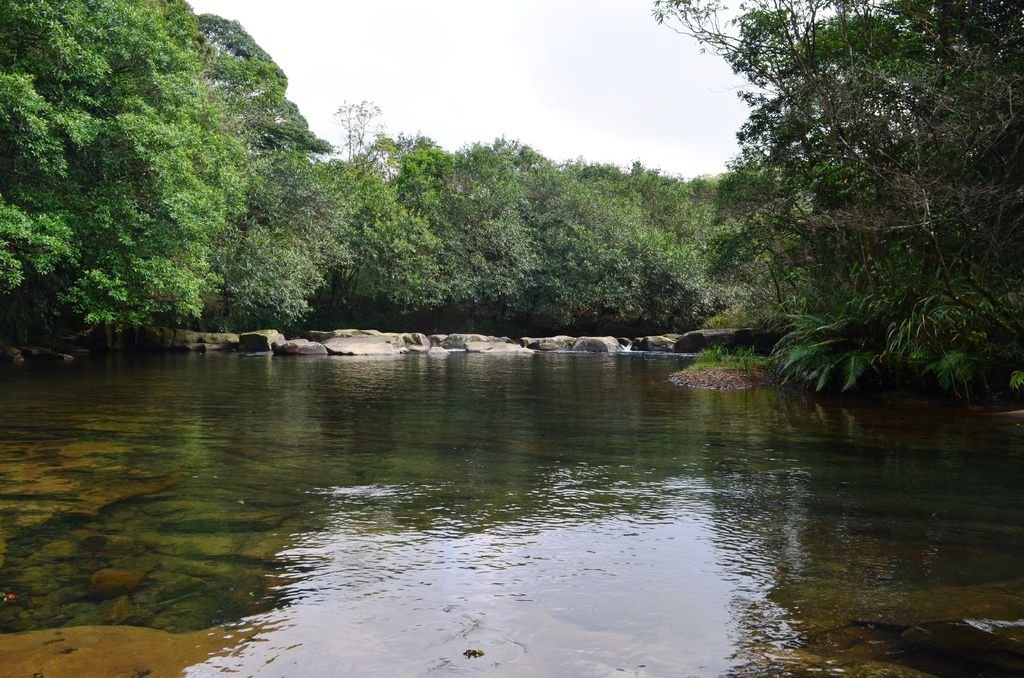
(597, 79)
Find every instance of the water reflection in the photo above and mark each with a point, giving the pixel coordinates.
(568, 515)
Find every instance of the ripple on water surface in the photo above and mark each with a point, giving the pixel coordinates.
(566, 515)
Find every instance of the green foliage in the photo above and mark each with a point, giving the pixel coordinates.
(876, 197)
(114, 175)
(742, 359)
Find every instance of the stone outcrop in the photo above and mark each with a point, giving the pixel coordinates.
(458, 342)
(300, 347)
(259, 341)
(698, 340)
(364, 345)
(496, 348)
(597, 345)
(660, 343)
(559, 342)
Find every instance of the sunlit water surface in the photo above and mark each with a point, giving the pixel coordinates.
(567, 515)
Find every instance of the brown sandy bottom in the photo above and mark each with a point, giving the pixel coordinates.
(107, 651)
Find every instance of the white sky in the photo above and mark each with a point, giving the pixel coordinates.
(596, 79)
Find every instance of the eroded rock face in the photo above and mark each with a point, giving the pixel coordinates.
(259, 341)
(364, 345)
(597, 345)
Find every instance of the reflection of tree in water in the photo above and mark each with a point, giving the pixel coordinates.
(834, 529)
(872, 532)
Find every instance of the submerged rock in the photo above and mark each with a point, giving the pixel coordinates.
(107, 651)
(111, 582)
(597, 345)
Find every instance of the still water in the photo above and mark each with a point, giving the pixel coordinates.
(567, 515)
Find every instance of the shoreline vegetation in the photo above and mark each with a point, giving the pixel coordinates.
(718, 369)
(872, 218)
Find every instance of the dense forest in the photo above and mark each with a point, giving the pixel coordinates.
(152, 170)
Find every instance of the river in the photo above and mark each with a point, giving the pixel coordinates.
(564, 515)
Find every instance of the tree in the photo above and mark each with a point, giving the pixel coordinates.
(892, 134)
(115, 177)
(293, 232)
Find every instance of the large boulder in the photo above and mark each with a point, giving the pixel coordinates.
(300, 347)
(364, 345)
(416, 342)
(496, 348)
(259, 341)
(698, 340)
(560, 342)
(437, 339)
(660, 343)
(458, 342)
(597, 345)
(316, 335)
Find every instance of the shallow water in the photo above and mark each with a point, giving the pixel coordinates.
(571, 515)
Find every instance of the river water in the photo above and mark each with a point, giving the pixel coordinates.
(565, 515)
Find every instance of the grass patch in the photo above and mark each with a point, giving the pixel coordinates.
(720, 369)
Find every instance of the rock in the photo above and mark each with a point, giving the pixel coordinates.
(10, 354)
(657, 343)
(437, 339)
(998, 644)
(416, 342)
(560, 342)
(321, 337)
(698, 340)
(112, 583)
(496, 348)
(40, 353)
(154, 338)
(437, 351)
(457, 342)
(221, 347)
(195, 348)
(108, 651)
(597, 345)
(300, 347)
(363, 345)
(259, 341)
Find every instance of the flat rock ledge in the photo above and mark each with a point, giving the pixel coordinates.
(368, 342)
(722, 378)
